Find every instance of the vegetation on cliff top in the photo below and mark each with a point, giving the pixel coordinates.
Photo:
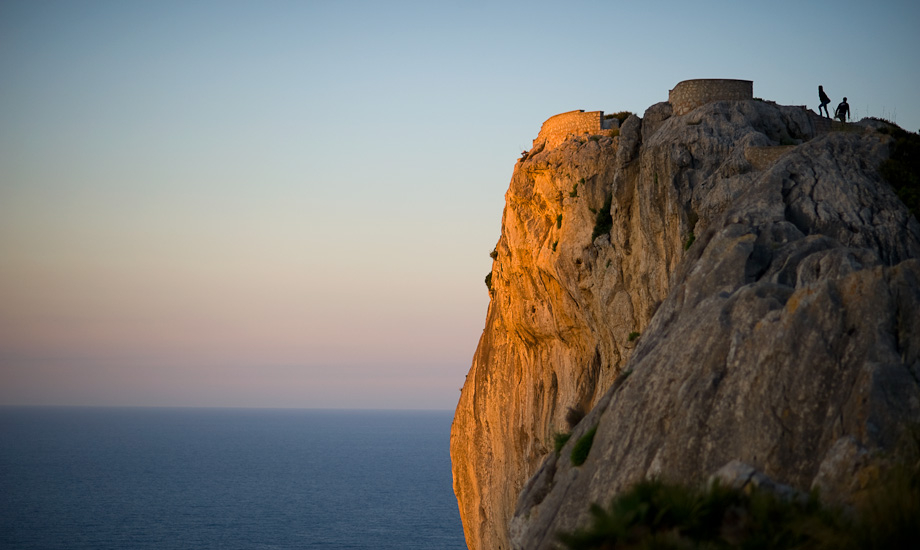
(902, 169)
(621, 116)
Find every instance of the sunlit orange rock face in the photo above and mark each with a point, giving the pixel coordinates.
(714, 282)
(563, 307)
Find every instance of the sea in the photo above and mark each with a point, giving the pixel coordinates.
(164, 478)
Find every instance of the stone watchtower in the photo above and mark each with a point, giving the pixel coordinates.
(690, 94)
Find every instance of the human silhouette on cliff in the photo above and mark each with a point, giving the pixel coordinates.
(842, 111)
(824, 101)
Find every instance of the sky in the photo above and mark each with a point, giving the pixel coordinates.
(292, 204)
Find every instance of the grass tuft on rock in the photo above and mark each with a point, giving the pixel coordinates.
(559, 441)
(603, 221)
(583, 447)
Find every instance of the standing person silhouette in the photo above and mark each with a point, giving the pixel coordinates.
(824, 101)
(843, 110)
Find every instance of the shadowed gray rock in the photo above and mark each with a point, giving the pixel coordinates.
(787, 336)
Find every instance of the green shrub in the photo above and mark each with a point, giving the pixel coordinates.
(690, 238)
(489, 281)
(555, 243)
(494, 253)
(621, 116)
(574, 192)
(890, 516)
(656, 514)
(558, 221)
(632, 336)
(603, 221)
(559, 441)
(583, 447)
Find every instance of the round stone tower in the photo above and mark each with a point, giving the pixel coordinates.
(690, 94)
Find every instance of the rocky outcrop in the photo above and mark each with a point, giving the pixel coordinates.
(708, 300)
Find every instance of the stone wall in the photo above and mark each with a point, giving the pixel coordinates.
(558, 128)
(690, 94)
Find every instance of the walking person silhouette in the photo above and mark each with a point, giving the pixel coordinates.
(843, 111)
(824, 101)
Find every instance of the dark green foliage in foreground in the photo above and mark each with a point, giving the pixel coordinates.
(603, 221)
(583, 447)
(890, 515)
(632, 336)
(690, 239)
(902, 169)
(489, 281)
(655, 514)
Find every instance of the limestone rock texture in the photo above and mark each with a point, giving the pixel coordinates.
(703, 310)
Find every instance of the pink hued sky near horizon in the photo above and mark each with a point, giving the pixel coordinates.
(283, 204)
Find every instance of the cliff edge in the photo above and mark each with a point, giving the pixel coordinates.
(731, 284)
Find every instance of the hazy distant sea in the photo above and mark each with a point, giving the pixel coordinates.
(226, 478)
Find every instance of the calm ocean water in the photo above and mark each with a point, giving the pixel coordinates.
(226, 478)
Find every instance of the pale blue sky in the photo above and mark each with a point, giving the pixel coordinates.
(291, 204)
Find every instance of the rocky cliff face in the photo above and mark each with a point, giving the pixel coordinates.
(774, 291)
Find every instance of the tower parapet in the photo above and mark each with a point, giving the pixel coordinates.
(560, 127)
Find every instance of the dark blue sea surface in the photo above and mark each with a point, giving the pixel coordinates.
(226, 478)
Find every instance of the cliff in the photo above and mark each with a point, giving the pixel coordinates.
(731, 284)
